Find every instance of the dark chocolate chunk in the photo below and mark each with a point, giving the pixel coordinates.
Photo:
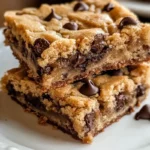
(99, 44)
(46, 96)
(140, 90)
(71, 26)
(121, 100)
(34, 101)
(52, 15)
(40, 45)
(81, 6)
(83, 66)
(89, 120)
(78, 60)
(88, 88)
(64, 76)
(146, 47)
(144, 113)
(40, 71)
(131, 68)
(11, 90)
(108, 7)
(63, 62)
(46, 70)
(126, 21)
(114, 72)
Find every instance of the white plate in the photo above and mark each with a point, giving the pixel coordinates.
(20, 130)
(140, 8)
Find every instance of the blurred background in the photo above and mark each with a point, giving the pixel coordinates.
(140, 7)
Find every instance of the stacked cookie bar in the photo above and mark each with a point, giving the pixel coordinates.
(83, 64)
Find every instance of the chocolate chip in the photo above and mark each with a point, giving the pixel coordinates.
(83, 66)
(46, 96)
(140, 90)
(99, 44)
(63, 62)
(52, 15)
(88, 88)
(121, 100)
(144, 113)
(40, 71)
(108, 7)
(89, 120)
(34, 101)
(40, 45)
(127, 21)
(114, 72)
(64, 76)
(78, 60)
(146, 47)
(81, 6)
(47, 70)
(71, 26)
(10, 89)
(131, 68)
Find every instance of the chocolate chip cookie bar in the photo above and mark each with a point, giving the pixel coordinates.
(84, 108)
(64, 43)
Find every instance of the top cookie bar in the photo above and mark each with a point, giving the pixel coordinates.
(64, 43)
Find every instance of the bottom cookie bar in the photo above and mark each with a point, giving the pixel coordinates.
(84, 108)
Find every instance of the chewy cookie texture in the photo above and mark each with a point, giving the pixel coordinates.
(64, 43)
(84, 108)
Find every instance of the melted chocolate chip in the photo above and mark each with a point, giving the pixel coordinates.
(40, 45)
(99, 44)
(40, 71)
(46, 96)
(131, 68)
(121, 100)
(34, 101)
(140, 90)
(46, 70)
(146, 47)
(127, 21)
(88, 88)
(114, 72)
(89, 120)
(71, 26)
(81, 6)
(78, 60)
(52, 15)
(11, 90)
(108, 7)
(144, 113)
(64, 76)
